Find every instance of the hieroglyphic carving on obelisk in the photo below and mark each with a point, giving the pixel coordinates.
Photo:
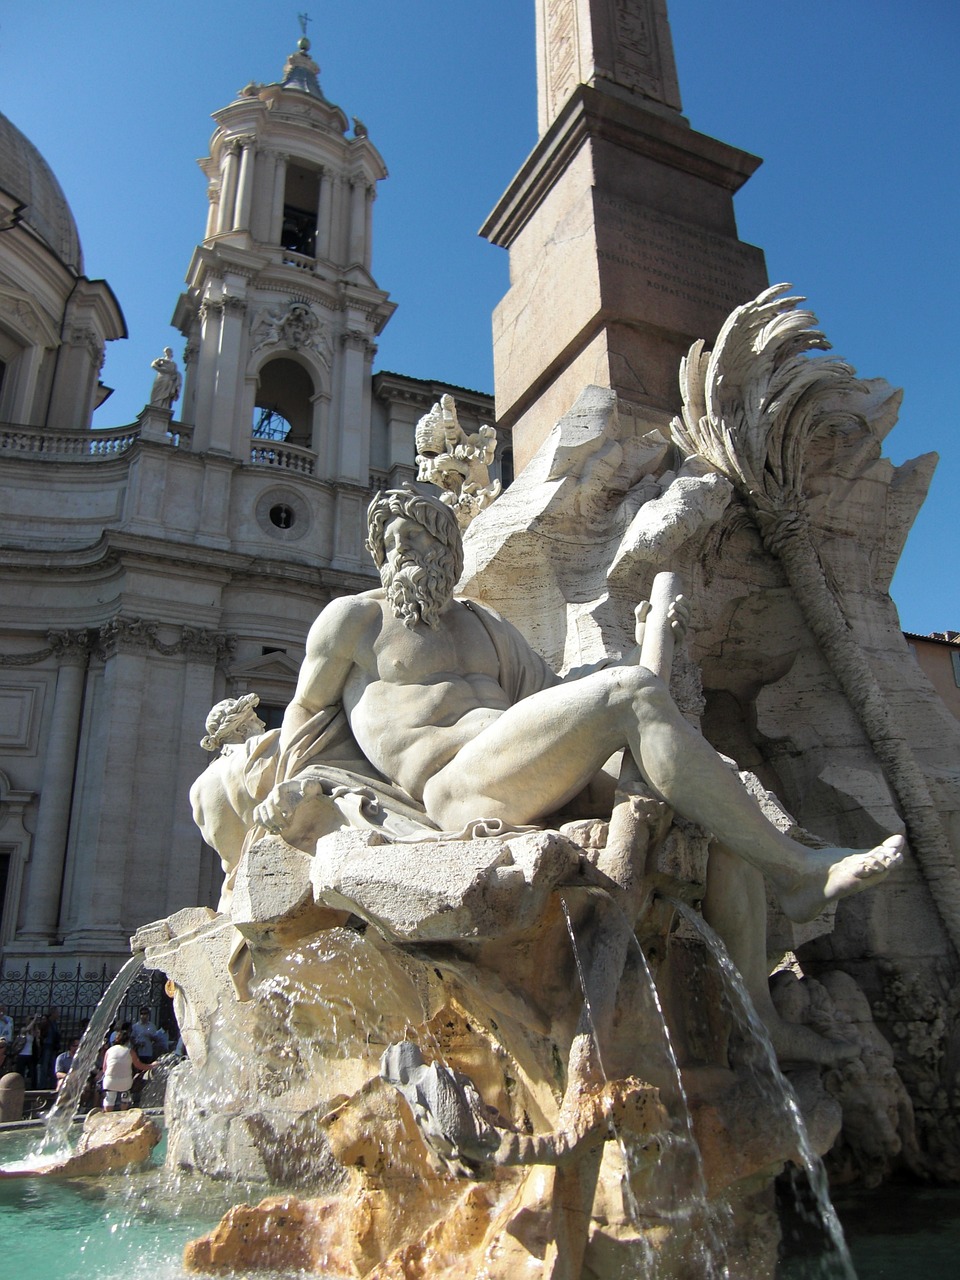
(624, 43)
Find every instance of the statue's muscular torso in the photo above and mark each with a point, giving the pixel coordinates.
(414, 696)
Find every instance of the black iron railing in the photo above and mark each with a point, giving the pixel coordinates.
(75, 993)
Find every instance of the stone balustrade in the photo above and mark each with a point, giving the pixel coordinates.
(284, 457)
(17, 440)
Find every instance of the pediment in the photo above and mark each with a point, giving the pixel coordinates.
(271, 666)
(23, 316)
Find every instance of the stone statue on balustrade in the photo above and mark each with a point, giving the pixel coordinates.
(166, 385)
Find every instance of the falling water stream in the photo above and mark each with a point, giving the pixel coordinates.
(692, 1207)
(59, 1119)
(771, 1079)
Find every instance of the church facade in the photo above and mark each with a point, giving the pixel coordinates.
(152, 569)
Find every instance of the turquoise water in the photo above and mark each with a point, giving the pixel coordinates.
(136, 1225)
(128, 1225)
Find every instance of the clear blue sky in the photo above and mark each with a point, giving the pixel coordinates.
(855, 107)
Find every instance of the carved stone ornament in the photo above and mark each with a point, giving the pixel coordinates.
(69, 647)
(458, 464)
(360, 340)
(294, 326)
(132, 634)
(82, 335)
(126, 634)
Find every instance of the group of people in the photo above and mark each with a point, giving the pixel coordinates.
(33, 1050)
(125, 1057)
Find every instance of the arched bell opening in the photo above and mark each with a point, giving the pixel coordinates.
(284, 404)
(301, 198)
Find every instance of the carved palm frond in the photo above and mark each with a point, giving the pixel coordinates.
(750, 408)
(750, 405)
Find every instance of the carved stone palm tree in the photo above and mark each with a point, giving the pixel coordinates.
(750, 408)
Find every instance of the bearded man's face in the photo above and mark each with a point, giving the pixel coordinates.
(417, 573)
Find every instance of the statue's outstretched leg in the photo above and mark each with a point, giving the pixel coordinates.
(538, 753)
(682, 766)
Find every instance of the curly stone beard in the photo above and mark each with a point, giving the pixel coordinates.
(419, 589)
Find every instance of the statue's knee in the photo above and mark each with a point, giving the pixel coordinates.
(650, 694)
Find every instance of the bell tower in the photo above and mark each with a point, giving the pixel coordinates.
(281, 310)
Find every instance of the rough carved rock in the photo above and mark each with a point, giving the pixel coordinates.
(110, 1141)
(478, 889)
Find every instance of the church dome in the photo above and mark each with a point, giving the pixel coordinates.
(26, 176)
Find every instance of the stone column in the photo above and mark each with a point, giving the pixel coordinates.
(23, 408)
(368, 229)
(228, 189)
(354, 441)
(324, 213)
(261, 214)
(213, 211)
(340, 222)
(211, 316)
(245, 185)
(279, 187)
(75, 378)
(358, 220)
(41, 907)
(203, 651)
(104, 850)
(226, 434)
(319, 434)
(188, 406)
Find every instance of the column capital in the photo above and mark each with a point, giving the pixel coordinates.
(357, 340)
(126, 635)
(210, 307)
(72, 648)
(135, 635)
(84, 335)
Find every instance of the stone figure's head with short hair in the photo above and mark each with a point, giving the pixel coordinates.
(418, 579)
(230, 721)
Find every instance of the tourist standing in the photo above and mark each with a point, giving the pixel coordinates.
(144, 1037)
(119, 1063)
(49, 1048)
(26, 1051)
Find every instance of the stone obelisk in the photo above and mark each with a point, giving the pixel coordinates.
(620, 225)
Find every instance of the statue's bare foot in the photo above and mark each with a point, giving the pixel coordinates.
(829, 874)
(796, 1042)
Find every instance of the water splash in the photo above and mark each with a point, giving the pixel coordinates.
(54, 1141)
(778, 1088)
(715, 1253)
(688, 1208)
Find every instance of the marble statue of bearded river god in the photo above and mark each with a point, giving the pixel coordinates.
(459, 884)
